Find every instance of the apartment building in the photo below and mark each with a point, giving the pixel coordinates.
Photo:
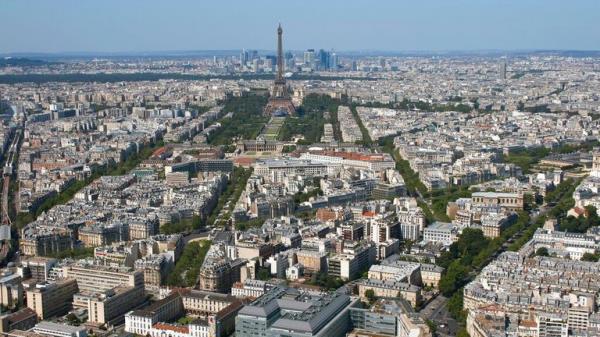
(50, 300)
(390, 288)
(109, 306)
(97, 278)
(440, 232)
(11, 291)
(313, 262)
(23, 319)
(292, 312)
(511, 201)
(388, 318)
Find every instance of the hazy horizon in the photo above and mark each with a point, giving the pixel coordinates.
(221, 52)
(110, 26)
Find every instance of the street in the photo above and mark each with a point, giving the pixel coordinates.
(437, 312)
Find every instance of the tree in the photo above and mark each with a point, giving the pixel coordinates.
(455, 306)
(370, 295)
(254, 223)
(454, 278)
(432, 326)
(73, 319)
(188, 266)
(182, 225)
(528, 201)
(471, 241)
(408, 245)
(462, 333)
(247, 121)
(589, 257)
(580, 224)
(263, 274)
(542, 251)
(288, 148)
(75, 253)
(324, 280)
(310, 118)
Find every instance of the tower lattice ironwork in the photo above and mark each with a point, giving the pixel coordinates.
(280, 102)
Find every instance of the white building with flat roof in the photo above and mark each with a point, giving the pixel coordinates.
(440, 232)
(59, 330)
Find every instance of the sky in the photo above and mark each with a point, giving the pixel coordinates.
(54, 26)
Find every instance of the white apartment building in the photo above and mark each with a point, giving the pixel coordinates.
(440, 232)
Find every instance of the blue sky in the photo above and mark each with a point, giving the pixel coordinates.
(150, 25)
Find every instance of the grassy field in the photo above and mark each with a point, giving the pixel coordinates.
(271, 130)
(247, 121)
(310, 119)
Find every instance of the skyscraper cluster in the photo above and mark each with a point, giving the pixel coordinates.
(248, 56)
(321, 60)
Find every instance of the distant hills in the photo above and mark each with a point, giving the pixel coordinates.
(24, 58)
(21, 62)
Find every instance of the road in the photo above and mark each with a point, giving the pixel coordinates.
(199, 234)
(7, 174)
(437, 312)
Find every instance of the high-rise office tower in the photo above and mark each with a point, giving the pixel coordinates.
(324, 59)
(289, 60)
(253, 55)
(273, 61)
(333, 64)
(243, 57)
(309, 57)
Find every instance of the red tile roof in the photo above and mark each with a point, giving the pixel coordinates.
(176, 328)
(369, 213)
(352, 155)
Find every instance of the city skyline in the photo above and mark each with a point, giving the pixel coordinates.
(76, 27)
(290, 169)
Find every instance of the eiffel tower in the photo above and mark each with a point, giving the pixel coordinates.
(280, 103)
